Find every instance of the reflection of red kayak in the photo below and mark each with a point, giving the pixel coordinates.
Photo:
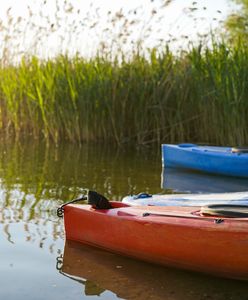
(182, 237)
(99, 270)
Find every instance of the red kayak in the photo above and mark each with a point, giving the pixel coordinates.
(212, 239)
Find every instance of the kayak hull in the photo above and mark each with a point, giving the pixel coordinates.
(237, 198)
(170, 236)
(217, 160)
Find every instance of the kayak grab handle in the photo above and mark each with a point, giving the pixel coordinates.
(95, 199)
(60, 210)
(142, 196)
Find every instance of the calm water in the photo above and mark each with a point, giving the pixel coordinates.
(35, 179)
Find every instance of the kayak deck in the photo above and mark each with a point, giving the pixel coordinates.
(239, 198)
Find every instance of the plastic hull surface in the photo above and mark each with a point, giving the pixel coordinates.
(218, 160)
(189, 199)
(172, 236)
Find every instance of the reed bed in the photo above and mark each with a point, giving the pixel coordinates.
(200, 96)
(152, 96)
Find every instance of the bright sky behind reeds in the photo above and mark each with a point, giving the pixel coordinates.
(50, 26)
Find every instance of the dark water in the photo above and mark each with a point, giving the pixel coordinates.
(180, 180)
(36, 178)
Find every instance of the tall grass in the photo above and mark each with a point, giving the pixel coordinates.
(200, 96)
(151, 96)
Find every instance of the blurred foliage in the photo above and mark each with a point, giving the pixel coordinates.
(236, 23)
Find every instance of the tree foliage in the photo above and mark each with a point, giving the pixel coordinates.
(236, 23)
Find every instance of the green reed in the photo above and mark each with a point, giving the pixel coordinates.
(124, 92)
(198, 96)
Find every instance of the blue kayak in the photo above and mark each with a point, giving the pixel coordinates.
(212, 159)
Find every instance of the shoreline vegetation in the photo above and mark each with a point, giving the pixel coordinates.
(199, 96)
(150, 96)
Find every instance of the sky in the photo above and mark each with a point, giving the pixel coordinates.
(50, 26)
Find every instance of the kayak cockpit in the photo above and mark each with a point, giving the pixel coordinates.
(225, 210)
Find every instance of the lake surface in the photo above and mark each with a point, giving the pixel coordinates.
(35, 260)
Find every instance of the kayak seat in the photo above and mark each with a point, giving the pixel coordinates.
(239, 150)
(225, 210)
(98, 201)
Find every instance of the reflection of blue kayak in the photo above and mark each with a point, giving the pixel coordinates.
(240, 198)
(218, 160)
(185, 181)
